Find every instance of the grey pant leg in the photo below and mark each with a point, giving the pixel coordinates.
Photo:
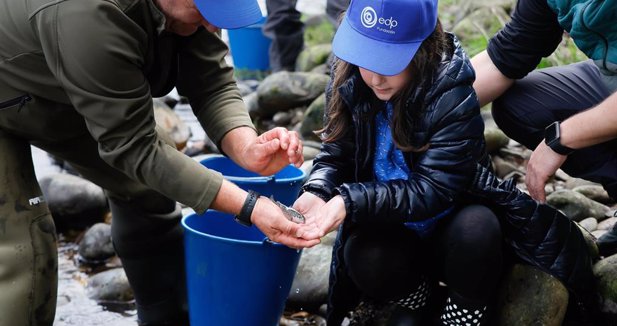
(28, 248)
(334, 9)
(284, 28)
(146, 233)
(555, 94)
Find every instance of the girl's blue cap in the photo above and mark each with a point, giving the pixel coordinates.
(384, 35)
(230, 14)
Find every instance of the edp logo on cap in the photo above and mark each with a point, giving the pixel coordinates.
(369, 19)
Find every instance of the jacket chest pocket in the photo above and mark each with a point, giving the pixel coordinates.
(18, 102)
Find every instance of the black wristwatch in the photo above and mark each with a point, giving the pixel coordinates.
(552, 138)
(244, 217)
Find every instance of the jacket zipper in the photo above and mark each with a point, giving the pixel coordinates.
(21, 101)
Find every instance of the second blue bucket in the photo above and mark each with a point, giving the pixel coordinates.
(249, 48)
(284, 185)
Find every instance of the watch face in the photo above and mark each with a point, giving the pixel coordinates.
(552, 132)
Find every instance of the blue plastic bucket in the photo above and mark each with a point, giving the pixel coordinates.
(249, 48)
(235, 277)
(284, 185)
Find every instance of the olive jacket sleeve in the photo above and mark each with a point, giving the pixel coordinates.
(97, 53)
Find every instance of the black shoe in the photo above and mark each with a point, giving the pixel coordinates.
(406, 317)
(607, 243)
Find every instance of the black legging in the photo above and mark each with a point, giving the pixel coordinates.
(387, 262)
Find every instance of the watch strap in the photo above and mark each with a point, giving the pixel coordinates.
(552, 138)
(558, 148)
(244, 217)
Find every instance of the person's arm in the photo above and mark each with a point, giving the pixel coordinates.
(584, 129)
(267, 217)
(490, 82)
(516, 49)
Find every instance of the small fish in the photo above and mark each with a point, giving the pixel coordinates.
(291, 214)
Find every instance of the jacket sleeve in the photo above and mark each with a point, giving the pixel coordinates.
(207, 80)
(97, 54)
(438, 175)
(334, 164)
(539, 234)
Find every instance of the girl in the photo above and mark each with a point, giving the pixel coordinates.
(404, 172)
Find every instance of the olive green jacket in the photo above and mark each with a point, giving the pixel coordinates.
(79, 67)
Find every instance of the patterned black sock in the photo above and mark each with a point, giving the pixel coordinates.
(461, 312)
(416, 299)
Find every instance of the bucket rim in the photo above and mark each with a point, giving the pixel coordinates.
(263, 242)
(256, 179)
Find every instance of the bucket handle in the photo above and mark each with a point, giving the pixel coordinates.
(269, 179)
(267, 241)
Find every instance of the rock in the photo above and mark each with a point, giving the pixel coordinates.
(110, 285)
(573, 183)
(590, 224)
(170, 123)
(598, 233)
(590, 241)
(318, 29)
(75, 203)
(595, 192)
(313, 56)
(313, 119)
(529, 296)
(323, 69)
(244, 88)
(576, 206)
(606, 273)
(285, 90)
(504, 168)
(283, 118)
(310, 152)
(96, 244)
(495, 139)
(252, 105)
(310, 286)
(607, 224)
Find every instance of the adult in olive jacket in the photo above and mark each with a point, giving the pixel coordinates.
(77, 80)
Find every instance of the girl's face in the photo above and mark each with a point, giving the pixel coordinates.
(385, 87)
(182, 17)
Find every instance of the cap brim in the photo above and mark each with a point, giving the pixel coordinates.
(384, 58)
(230, 14)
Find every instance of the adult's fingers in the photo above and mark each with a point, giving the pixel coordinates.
(279, 133)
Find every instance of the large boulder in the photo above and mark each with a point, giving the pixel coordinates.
(75, 203)
(286, 90)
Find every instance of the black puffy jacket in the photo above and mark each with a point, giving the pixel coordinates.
(454, 168)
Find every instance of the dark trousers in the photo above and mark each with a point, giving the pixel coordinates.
(146, 232)
(388, 262)
(284, 28)
(555, 94)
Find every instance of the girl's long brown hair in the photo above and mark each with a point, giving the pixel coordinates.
(422, 68)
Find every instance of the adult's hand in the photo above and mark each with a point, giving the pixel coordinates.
(269, 218)
(543, 163)
(265, 154)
